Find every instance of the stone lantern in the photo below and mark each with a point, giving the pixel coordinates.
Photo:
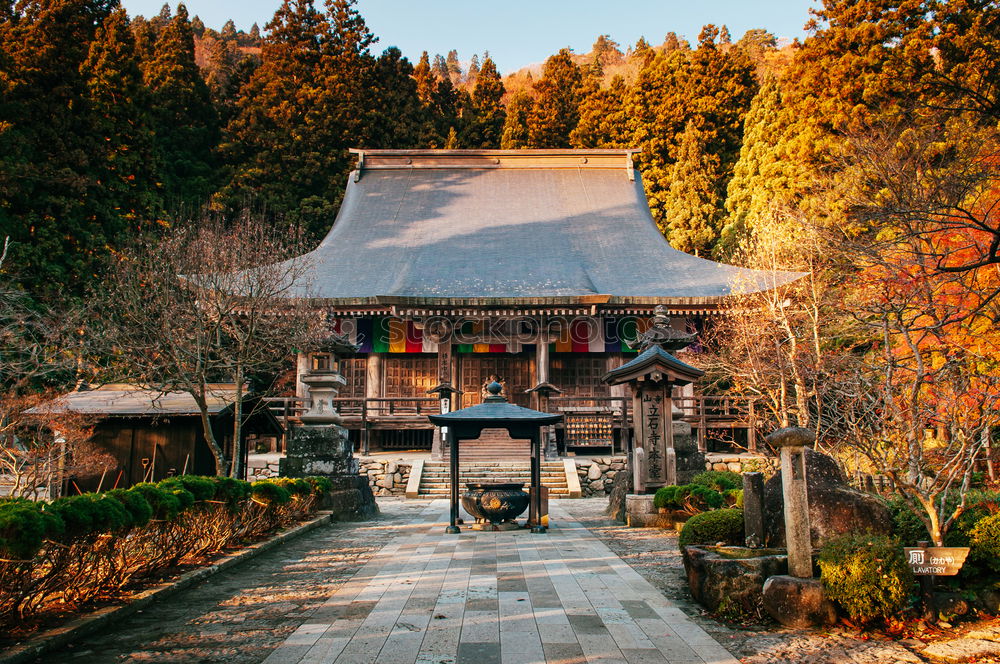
(663, 446)
(320, 446)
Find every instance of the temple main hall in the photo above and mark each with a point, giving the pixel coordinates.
(448, 269)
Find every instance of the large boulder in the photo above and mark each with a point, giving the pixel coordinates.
(730, 579)
(834, 507)
(798, 603)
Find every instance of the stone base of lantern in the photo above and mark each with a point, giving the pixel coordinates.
(325, 451)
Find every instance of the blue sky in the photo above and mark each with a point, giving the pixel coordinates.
(517, 32)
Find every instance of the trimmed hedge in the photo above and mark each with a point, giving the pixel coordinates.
(724, 526)
(720, 480)
(688, 497)
(78, 548)
(866, 575)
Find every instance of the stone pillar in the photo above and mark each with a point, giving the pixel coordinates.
(793, 442)
(753, 509)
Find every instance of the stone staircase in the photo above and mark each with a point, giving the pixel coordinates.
(435, 476)
(494, 445)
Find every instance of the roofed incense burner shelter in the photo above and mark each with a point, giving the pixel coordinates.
(538, 267)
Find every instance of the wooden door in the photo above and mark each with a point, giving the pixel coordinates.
(514, 370)
(409, 375)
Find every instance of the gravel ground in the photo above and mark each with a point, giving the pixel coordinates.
(238, 616)
(654, 554)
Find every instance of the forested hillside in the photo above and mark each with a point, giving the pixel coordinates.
(112, 126)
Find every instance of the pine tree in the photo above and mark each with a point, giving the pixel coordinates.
(516, 132)
(184, 121)
(440, 67)
(691, 203)
(398, 118)
(125, 166)
(228, 32)
(474, 68)
(424, 78)
(485, 127)
(50, 206)
(454, 67)
(603, 123)
(757, 176)
(444, 113)
(712, 87)
(556, 110)
(322, 62)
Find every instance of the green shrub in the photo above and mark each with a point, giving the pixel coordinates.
(24, 526)
(720, 480)
(866, 575)
(89, 513)
(664, 497)
(270, 493)
(138, 508)
(906, 525)
(984, 540)
(229, 490)
(201, 488)
(295, 485)
(166, 505)
(320, 485)
(734, 498)
(689, 497)
(713, 527)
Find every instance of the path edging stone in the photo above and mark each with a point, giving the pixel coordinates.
(85, 625)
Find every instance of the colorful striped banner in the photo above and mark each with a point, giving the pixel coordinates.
(582, 335)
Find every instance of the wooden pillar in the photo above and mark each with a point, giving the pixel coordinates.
(373, 390)
(542, 359)
(453, 446)
(536, 482)
(445, 374)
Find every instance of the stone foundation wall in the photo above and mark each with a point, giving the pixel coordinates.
(262, 467)
(742, 463)
(598, 474)
(386, 478)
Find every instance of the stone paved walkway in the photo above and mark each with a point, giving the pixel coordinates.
(497, 598)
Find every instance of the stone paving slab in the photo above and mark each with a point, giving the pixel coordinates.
(498, 598)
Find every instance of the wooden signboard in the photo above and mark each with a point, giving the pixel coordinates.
(936, 560)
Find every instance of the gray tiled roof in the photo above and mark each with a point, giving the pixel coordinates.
(132, 400)
(456, 233)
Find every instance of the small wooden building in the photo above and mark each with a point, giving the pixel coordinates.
(154, 434)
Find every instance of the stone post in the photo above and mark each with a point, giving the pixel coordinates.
(793, 442)
(753, 509)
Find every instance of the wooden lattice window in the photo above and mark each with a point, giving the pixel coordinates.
(355, 371)
(579, 375)
(410, 375)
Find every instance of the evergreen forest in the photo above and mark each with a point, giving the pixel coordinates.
(113, 126)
